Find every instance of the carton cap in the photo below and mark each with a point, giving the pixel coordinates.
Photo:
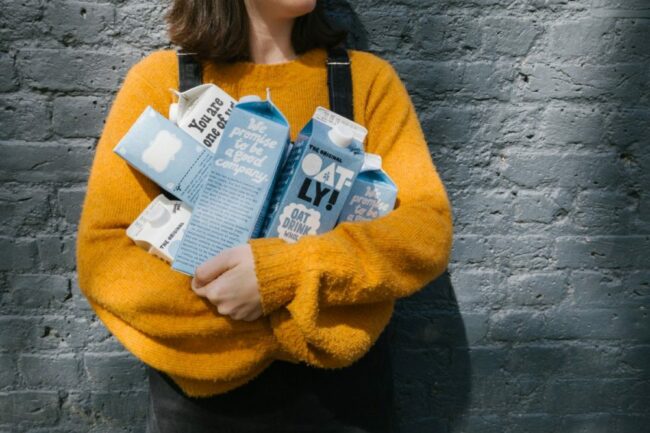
(249, 98)
(173, 112)
(158, 216)
(371, 162)
(340, 135)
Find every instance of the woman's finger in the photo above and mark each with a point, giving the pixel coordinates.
(199, 290)
(211, 269)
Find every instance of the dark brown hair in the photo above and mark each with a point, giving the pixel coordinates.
(218, 29)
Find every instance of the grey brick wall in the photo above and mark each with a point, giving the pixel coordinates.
(537, 113)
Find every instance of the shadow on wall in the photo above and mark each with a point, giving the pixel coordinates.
(342, 15)
(574, 147)
(431, 359)
(429, 348)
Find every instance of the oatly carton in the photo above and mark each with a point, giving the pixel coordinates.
(160, 227)
(203, 112)
(373, 193)
(232, 203)
(317, 177)
(166, 154)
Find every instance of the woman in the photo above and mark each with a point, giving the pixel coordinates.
(268, 336)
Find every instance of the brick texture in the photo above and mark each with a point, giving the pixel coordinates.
(537, 113)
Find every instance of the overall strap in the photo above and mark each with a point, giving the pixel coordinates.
(189, 71)
(339, 78)
(339, 81)
(189, 75)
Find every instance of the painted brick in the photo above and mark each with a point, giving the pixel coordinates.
(57, 252)
(508, 36)
(569, 124)
(140, 24)
(539, 288)
(61, 371)
(22, 210)
(121, 409)
(537, 116)
(78, 69)
(478, 288)
(603, 251)
(17, 254)
(8, 370)
(80, 116)
(36, 162)
(512, 325)
(24, 117)
(535, 169)
(542, 207)
(38, 291)
(21, 20)
(586, 37)
(73, 22)
(622, 81)
(8, 77)
(29, 408)
(70, 202)
(114, 371)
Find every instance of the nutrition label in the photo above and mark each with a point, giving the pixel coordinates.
(221, 219)
(232, 202)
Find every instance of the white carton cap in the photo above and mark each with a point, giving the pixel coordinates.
(158, 215)
(371, 162)
(340, 135)
(249, 98)
(173, 112)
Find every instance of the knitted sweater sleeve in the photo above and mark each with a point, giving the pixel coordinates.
(329, 296)
(117, 277)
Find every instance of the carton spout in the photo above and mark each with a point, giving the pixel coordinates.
(371, 162)
(250, 98)
(173, 112)
(158, 216)
(340, 135)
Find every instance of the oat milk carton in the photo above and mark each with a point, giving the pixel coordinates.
(203, 112)
(373, 193)
(317, 177)
(166, 154)
(160, 227)
(232, 204)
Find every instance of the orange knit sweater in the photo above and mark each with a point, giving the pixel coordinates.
(325, 298)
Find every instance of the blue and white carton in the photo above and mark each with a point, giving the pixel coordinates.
(166, 154)
(317, 177)
(373, 193)
(160, 227)
(203, 112)
(232, 204)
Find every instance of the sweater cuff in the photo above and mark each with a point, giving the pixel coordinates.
(277, 265)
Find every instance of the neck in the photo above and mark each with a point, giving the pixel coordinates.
(270, 39)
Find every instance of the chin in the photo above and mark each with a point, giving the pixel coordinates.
(294, 8)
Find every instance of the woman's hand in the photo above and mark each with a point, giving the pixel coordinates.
(228, 281)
